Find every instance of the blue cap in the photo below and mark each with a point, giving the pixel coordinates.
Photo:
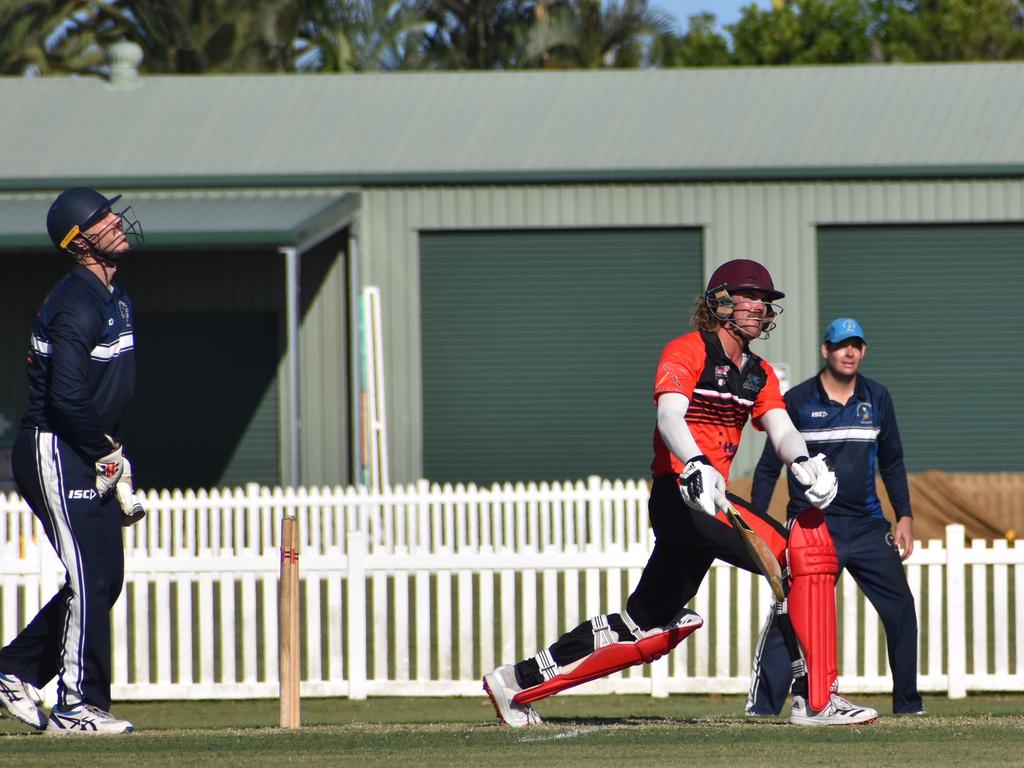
(843, 328)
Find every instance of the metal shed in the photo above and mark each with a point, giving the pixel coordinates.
(466, 196)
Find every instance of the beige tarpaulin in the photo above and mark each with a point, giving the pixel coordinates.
(988, 506)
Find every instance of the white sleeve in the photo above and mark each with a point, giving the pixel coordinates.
(788, 443)
(672, 426)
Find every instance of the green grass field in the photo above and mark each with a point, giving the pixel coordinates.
(591, 731)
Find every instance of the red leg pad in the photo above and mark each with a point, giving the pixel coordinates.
(610, 658)
(813, 566)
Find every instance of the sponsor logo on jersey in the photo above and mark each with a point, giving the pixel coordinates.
(753, 382)
(819, 414)
(123, 306)
(78, 493)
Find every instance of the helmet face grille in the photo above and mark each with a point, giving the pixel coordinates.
(734, 277)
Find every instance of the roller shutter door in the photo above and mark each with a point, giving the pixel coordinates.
(936, 304)
(539, 349)
(205, 414)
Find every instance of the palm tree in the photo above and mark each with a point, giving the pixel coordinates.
(43, 37)
(476, 34)
(700, 46)
(589, 33)
(178, 36)
(361, 36)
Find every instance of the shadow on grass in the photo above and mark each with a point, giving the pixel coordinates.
(655, 720)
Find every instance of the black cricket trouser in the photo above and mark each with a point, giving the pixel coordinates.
(865, 550)
(70, 636)
(686, 544)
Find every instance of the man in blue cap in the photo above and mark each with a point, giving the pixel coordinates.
(850, 419)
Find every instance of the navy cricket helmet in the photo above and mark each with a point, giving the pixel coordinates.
(73, 212)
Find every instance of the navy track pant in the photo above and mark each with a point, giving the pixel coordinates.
(70, 636)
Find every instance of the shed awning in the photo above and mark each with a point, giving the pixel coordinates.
(283, 217)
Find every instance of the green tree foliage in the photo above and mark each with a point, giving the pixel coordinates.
(700, 46)
(46, 37)
(804, 32)
(590, 33)
(475, 34)
(855, 31)
(949, 30)
(218, 36)
(192, 36)
(362, 36)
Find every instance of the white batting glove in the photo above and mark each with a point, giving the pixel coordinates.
(109, 469)
(820, 480)
(702, 486)
(131, 508)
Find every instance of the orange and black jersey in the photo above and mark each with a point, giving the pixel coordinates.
(722, 397)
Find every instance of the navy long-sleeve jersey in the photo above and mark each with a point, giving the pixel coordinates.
(81, 364)
(858, 438)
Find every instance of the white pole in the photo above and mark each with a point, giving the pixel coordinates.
(956, 607)
(357, 429)
(292, 297)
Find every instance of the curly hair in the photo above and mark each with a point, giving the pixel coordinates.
(702, 317)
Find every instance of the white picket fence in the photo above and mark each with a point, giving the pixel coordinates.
(419, 590)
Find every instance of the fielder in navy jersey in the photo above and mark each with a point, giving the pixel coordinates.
(70, 467)
(850, 419)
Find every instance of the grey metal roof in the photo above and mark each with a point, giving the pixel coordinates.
(236, 217)
(885, 120)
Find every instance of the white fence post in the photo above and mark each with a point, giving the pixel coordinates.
(956, 613)
(355, 612)
(595, 528)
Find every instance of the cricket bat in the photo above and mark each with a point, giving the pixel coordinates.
(759, 551)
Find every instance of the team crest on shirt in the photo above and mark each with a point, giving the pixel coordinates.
(125, 313)
(753, 382)
(721, 372)
(864, 413)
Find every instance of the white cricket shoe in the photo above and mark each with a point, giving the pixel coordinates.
(501, 686)
(19, 702)
(838, 711)
(84, 719)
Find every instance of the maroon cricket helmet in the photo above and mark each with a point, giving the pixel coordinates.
(738, 274)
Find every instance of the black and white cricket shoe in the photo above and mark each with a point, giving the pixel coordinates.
(84, 719)
(19, 702)
(838, 711)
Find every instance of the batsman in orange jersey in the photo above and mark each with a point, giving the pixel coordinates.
(707, 385)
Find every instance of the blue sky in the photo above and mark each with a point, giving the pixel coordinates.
(726, 11)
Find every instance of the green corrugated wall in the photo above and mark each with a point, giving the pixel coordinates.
(936, 303)
(539, 349)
